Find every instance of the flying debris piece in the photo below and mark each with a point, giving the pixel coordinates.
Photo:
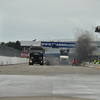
(97, 29)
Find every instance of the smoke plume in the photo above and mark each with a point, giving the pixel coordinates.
(84, 47)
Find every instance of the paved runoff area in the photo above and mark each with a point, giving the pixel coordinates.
(56, 82)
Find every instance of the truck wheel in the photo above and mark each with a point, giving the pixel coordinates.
(42, 64)
(30, 63)
(47, 62)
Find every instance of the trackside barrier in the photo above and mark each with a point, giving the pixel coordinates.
(93, 65)
(12, 60)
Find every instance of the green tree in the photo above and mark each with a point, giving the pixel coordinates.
(10, 44)
(2, 43)
(17, 45)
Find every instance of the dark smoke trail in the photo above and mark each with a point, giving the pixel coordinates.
(84, 47)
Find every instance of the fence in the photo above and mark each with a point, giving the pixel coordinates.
(11, 52)
(68, 40)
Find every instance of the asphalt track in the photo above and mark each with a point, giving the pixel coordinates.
(35, 82)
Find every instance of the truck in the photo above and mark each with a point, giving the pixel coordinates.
(57, 58)
(64, 58)
(36, 55)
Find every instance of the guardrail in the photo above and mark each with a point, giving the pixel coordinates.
(67, 40)
(96, 53)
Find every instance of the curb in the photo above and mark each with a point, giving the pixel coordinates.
(92, 66)
(95, 67)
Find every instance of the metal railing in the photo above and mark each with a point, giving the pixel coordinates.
(67, 40)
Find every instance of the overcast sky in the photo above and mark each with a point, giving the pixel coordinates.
(47, 19)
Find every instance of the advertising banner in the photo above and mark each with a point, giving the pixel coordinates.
(24, 55)
(58, 44)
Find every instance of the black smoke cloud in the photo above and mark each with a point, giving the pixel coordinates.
(84, 48)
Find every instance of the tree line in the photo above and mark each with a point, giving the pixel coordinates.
(15, 45)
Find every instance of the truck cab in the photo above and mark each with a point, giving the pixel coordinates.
(36, 55)
(64, 58)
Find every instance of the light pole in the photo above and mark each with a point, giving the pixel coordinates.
(57, 39)
(48, 38)
(66, 38)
